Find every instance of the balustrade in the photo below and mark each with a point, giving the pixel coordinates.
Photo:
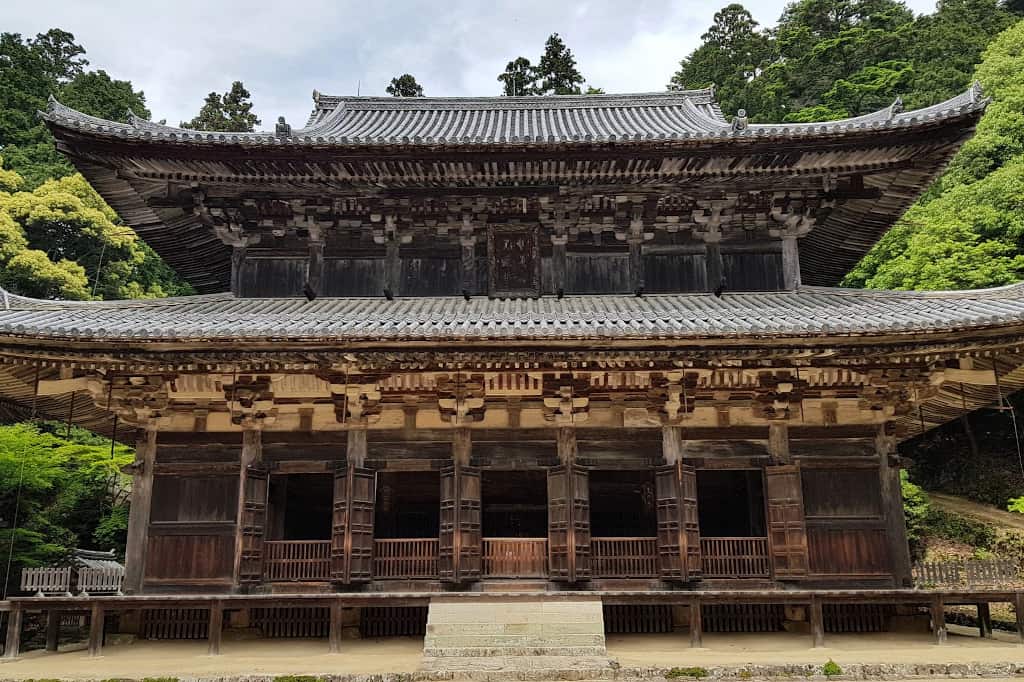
(625, 557)
(405, 558)
(515, 557)
(297, 560)
(734, 557)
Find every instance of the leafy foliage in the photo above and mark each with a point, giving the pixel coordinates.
(405, 86)
(227, 113)
(916, 508)
(59, 489)
(831, 669)
(554, 74)
(1016, 504)
(519, 78)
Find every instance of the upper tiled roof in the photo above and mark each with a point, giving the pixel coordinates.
(563, 119)
(810, 311)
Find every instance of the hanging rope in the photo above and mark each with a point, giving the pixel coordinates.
(21, 482)
(1013, 415)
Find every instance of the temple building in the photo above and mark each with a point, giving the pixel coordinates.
(546, 344)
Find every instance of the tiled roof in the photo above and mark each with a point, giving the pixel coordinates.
(810, 311)
(563, 119)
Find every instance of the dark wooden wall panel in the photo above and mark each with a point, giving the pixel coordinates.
(832, 447)
(677, 272)
(842, 493)
(190, 557)
(752, 271)
(431, 277)
(179, 498)
(353, 277)
(848, 551)
(199, 452)
(597, 273)
(273, 276)
(320, 452)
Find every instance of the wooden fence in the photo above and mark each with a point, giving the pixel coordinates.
(515, 557)
(970, 573)
(732, 557)
(297, 560)
(93, 580)
(624, 557)
(405, 558)
(48, 580)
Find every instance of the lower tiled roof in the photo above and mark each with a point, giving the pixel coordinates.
(810, 311)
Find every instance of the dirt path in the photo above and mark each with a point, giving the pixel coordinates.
(974, 510)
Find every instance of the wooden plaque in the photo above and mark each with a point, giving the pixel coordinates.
(513, 257)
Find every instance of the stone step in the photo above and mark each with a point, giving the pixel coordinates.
(522, 667)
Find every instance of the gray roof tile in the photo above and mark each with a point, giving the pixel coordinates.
(811, 311)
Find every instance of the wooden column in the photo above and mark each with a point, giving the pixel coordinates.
(468, 244)
(984, 620)
(636, 262)
(12, 645)
(938, 610)
(216, 628)
(52, 629)
(334, 636)
(355, 453)
(567, 448)
(96, 618)
(252, 453)
(778, 443)
(672, 443)
(790, 263)
(817, 624)
(1018, 606)
(238, 254)
(558, 259)
(315, 267)
(462, 446)
(696, 625)
(892, 503)
(714, 269)
(392, 265)
(138, 513)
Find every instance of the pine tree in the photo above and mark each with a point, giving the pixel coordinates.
(405, 86)
(519, 79)
(557, 70)
(227, 113)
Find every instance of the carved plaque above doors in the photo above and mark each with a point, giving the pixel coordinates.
(513, 259)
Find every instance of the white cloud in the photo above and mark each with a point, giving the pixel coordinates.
(179, 52)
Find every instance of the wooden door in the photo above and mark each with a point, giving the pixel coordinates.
(787, 532)
(253, 523)
(460, 542)
(678, 526)
(569, 523)
(355, 491)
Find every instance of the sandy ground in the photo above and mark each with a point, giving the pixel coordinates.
(309, 657)
(981, 512)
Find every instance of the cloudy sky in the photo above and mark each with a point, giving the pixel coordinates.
(179, 51)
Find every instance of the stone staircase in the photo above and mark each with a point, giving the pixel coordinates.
(531, 634)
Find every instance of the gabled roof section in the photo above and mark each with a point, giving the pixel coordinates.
(480, 121)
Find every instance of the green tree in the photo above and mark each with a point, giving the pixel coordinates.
(519, 78)
(916, 508)
(556, 72)
(227, 113)
(97, 94)
(732, 55)
(969, 231)
(405, 86)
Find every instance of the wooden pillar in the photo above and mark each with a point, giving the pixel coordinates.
(817, 624)
(892, 503)
(96, 629)
(252, 452)
(558, 260)
(392, 265)
(567, 448)
(790, 263)
(938, 609)
(355, 453)
(778, 443)
(52, 629)
(468, 244)
(672, 443)
(315, 268)
(238, 254)
(216, 628)
(12, 645)
(1018, 606)
(984, 620)
(696, 625)
(462, 446)
(636, 262)
(715, 272)
(334, 636)
(138, 513)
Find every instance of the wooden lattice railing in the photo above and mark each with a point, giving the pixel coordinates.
(297, 560)
(969, 573)
(635, 557)
(734, 557)
(95, 580)
(47, 580)
(405, 558)
(515, 557)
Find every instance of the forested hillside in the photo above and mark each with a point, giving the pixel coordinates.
(823, 59)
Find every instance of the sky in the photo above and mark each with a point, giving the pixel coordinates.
(178, 52)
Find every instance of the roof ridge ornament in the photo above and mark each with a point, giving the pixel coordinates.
(976, 92)
(282, 129)
(896, 107)
(740, 120)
